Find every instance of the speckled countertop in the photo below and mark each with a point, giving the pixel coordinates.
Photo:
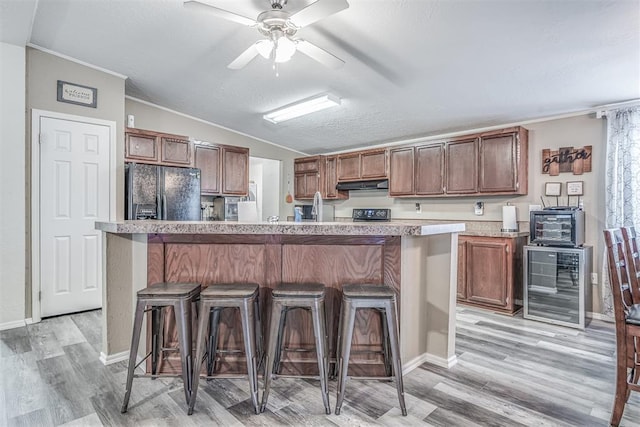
(393, 228)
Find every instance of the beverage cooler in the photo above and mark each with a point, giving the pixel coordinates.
(557, 286)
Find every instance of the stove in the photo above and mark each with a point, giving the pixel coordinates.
(371, 214)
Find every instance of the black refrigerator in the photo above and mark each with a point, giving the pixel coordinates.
(162, 192)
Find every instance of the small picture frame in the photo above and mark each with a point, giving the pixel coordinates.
(552, 189)
(73, 93)
(574, 188)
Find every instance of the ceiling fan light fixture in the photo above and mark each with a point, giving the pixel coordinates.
(264, 48)
(285, 50)
(301, 108)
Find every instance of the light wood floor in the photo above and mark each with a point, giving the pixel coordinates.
(510, 372)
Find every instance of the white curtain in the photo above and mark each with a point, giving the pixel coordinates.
(622, 181)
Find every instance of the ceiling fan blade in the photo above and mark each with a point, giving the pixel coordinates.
(220, 13)
(316, 11)
(319, 54)
(244, 58)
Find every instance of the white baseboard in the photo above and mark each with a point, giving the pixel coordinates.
(113, 358)
(29, 321)
(428, 358)
(12, 325)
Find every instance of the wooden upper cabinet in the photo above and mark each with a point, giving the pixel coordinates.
(175, 150)
(373, 164)
(207, 159)
(503, 169)
(349, 167)
(140, 147)
(307, 164)
(362, 165)
(145, 146)
(235, 170)
(331, 180)
(430, 170)
(462, 166)
(402, 175)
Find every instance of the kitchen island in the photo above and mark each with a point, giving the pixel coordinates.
(418, 260)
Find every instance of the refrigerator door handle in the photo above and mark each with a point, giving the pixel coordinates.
(158, 207)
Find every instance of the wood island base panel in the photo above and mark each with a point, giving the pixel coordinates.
(417, 261)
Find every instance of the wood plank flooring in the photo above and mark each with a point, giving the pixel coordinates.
(510, 372)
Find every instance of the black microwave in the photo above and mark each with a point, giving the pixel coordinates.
(557, 227)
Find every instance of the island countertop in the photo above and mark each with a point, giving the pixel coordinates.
(392, 228)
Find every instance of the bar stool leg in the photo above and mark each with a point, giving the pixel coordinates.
(280, 346)
(155, 339)
(248, 333)
(385, 342)
(392, 322)
(258, 328)
(317, 312)
(212, 344)
(348, 318)
(204, 309)
(336, 366)
(135, 340)
(274, 323)
(183, 324)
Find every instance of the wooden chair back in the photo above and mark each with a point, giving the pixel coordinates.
(633, 260)
(618, 275)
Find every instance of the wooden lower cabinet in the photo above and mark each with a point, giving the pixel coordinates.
(490, 272)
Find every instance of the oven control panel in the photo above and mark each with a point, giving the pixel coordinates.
(371, 214)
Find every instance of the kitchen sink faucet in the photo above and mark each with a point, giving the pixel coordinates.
(316, 210)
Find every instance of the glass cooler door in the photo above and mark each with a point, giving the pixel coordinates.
(555, 285)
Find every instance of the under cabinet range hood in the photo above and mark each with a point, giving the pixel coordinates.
(380, 184)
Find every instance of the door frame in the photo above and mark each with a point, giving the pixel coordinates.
(36, 115)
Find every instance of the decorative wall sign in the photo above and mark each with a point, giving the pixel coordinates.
(566, 159)
(77, 94)
(552, 188)
(574, 188)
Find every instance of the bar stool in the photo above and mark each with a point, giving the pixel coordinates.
(286, 297)
(215, 298)
(156, 298)
(383, 299)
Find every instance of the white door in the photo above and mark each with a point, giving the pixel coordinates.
(74, 193)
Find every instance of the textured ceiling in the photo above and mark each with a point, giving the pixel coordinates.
(412, 67)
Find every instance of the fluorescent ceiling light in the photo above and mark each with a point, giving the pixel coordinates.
(301, 108)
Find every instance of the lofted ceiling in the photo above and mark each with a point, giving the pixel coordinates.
(413, 68)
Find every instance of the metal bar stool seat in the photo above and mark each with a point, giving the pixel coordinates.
(286, 297)
(382, 298)
(156, 298)
(215, 298)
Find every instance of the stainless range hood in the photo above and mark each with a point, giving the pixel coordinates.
(380, 184)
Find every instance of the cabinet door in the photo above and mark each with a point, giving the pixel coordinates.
(349, 167)
(207, 159)
(306, 164)
(175, 151)
(373, 164)
(462, 269)
(141, 147)
(306, 185)
(462, 166)
(331, 180)
(498, 163)
(429, 169)
(235, 171)
(488, 271)
(401, 172)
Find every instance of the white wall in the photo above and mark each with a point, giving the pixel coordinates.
(266, 174)
(12, 188)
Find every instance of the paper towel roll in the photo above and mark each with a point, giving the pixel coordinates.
(509, 221)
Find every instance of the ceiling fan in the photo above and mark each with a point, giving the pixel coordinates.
(279, 28)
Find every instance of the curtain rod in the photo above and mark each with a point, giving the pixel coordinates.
(602, 110)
